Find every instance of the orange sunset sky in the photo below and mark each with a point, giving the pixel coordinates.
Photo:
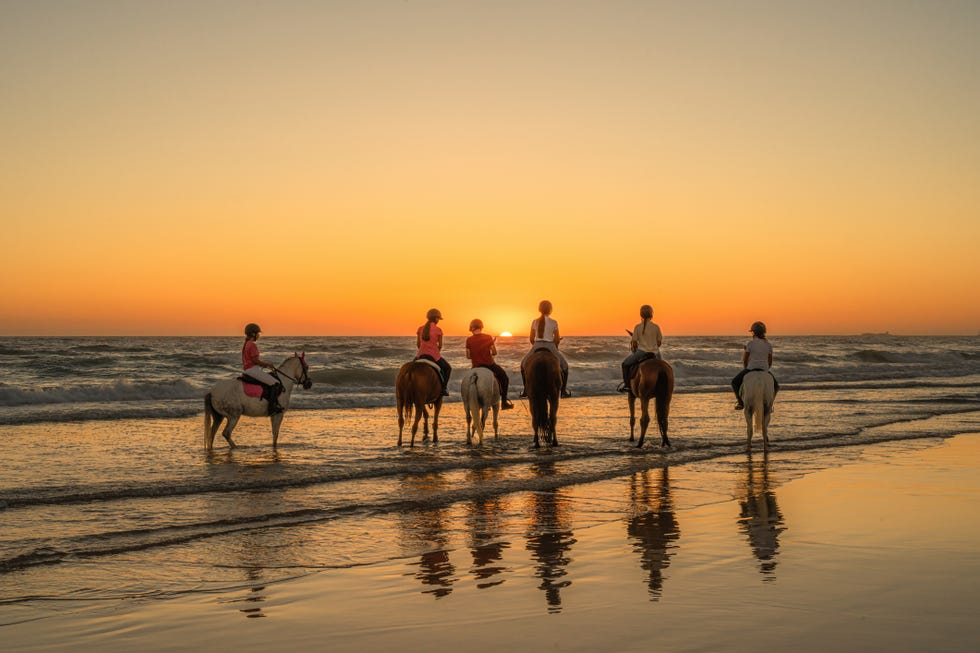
(337, 168)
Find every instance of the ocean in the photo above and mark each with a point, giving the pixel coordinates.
(107, 493)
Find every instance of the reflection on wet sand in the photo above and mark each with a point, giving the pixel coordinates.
(549, 537)
(426, 529)
(760, 518)
(253, 550)
(484, 521)
(653, 529)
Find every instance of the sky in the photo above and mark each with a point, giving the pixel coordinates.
(338, 168)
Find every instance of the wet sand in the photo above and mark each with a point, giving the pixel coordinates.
(871, 549)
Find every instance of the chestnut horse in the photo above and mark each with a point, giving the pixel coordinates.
(654, 379)
(543, 378)
(417, 385)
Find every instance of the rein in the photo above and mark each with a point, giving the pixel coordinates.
(276, 371)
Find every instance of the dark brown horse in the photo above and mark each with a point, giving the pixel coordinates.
(654, 379)
(417, 385)
(543, 378)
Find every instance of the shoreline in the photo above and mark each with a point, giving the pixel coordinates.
(875, 550)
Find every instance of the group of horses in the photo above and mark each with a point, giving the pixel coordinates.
(419, 386)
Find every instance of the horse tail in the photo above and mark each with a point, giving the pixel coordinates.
(757, 401)
(208, 412)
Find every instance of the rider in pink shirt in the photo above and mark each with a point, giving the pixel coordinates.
(252, 364)
(428, 339)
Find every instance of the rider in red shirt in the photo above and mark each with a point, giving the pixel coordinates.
(480, 349)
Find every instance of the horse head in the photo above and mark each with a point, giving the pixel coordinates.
(299, 376)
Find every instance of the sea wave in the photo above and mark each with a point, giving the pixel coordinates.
(99, 392)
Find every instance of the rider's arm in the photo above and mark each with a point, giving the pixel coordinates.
(439, 342)
(557, 336)
(745, 359)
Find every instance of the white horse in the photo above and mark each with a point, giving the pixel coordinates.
(227, 399)
(481, 393)
(758, 394)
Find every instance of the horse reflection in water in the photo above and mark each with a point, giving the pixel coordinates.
(252, 555)
(483, 517)
(760, 518)
(653, 529)
(549, 538)
(425, 528)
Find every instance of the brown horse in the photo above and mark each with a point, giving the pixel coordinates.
(543, 378)
(418, 384)
(654, 379)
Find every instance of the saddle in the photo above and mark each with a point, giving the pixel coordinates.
(255, 388)
(431, 363)
(636, 366)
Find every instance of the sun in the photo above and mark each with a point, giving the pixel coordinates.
(506, 334)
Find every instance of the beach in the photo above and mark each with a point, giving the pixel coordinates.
(118, 531)
(875, 550)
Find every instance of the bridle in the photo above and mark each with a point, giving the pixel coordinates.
(304, 378)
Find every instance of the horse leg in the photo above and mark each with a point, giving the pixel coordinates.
(553, 422)
(632, 403)
(415, 422)
(401, 420)
(276, 423)
(496, 409)
(435, 421)
(232, 422)
(644, 418)
(662, 402)
(765, 431)
(212, 422)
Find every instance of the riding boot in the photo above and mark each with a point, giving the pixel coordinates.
(565, 394)
(274, 392)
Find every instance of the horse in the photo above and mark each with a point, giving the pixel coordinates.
(654, 379)
(481, 393)
(543, 388)
(417, 385)
(227, 400)
(758, 394)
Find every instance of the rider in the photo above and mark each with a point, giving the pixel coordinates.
(646, 338)
(544, 335)
(757, 356)
(253, 365)
(429, 342)
(480, 349)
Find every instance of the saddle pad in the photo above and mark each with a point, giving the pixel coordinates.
(252, 390)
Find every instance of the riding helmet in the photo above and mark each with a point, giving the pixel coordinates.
(476, 324)
(252, 329)
(758, 329)
(433, 315)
